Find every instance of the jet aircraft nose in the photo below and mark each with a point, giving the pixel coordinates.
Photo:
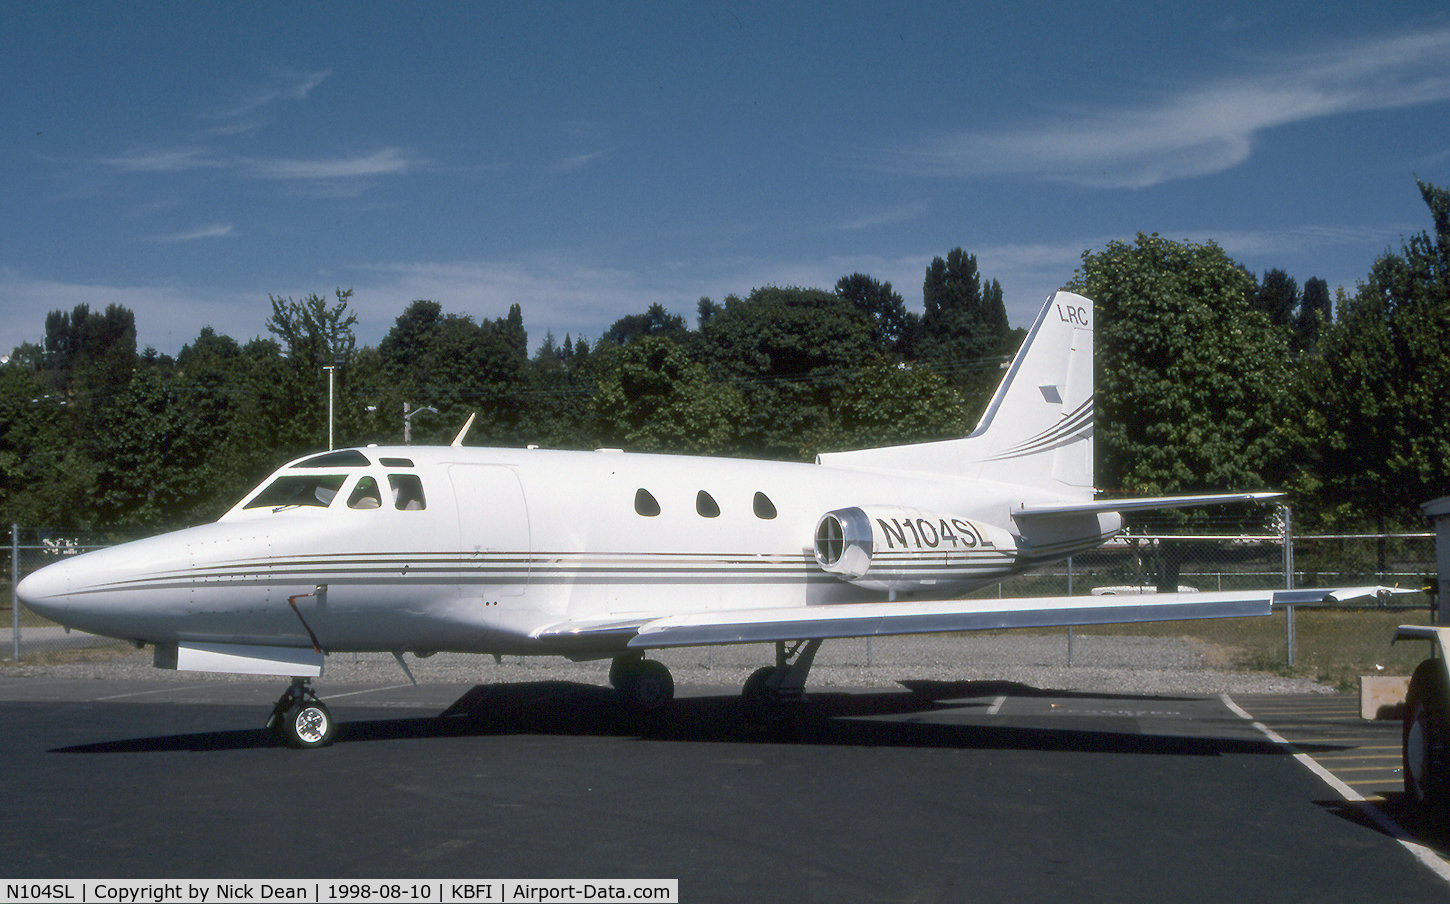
(94, 591)
(47, 591)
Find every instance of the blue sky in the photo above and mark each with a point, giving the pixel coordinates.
(586, 160)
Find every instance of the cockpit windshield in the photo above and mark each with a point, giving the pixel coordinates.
(299, 489)
(404, 492)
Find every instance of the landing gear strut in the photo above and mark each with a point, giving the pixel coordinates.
(300, 719)
(770, 692)
(642, 683)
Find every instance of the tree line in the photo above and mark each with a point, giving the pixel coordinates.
(1209, 378)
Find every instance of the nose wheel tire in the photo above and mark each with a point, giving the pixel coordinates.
(300, 719)
(306, 725)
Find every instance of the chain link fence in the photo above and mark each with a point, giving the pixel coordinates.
(1333, 642)
(25, 636)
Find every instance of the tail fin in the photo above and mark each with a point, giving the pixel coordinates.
(1038, 429)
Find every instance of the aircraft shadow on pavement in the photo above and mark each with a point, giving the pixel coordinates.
(933, 714)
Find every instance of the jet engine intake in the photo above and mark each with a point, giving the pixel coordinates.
(906, 550)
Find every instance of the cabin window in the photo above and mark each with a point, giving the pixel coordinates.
(764, 508)
(396, 462)
(299, 489)
(705, 505)
(645, 504)
(365, 495)
(343, 458)
(407, 492)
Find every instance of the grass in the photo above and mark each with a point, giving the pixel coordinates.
(1333, 647)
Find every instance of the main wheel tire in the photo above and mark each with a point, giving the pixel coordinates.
(622, 669)
(306, 725)
(649, 686)
(761, 701)
(1426, 738)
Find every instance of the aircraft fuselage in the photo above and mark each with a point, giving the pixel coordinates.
(429, 549)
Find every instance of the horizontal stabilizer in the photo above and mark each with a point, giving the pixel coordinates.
(1141, 503)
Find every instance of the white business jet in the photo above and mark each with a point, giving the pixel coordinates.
(606, 554)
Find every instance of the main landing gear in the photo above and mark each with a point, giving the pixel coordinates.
(300, 719)
(770, 693)
(773, 692)
(644, 684)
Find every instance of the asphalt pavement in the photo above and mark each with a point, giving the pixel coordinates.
(932, 791)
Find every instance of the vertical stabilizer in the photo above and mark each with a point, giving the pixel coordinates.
(1038, 429)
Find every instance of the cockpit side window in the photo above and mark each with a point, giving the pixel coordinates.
(299, 489)
(365, 495)
(407, 492)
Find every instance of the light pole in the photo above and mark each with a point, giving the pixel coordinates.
(329, 368)
(408, 421)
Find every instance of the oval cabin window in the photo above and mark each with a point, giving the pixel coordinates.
(764, 508)
(645, 504)
(705, 505)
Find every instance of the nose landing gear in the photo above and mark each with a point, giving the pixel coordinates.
(300, 719)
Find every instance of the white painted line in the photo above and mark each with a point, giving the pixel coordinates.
(163, 690)
(371, 690)
(1387, 825)
(996, 706)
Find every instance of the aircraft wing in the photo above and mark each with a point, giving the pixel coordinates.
(923, 617)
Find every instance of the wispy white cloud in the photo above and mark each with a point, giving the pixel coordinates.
(215, 231)
(165, 160)
(902, 213)
(385, 162)
(1201, 129)
(244, 112)
(577, 162)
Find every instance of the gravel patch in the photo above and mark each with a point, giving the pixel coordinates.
(1124, 665)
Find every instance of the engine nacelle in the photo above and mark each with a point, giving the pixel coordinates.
(907, 550)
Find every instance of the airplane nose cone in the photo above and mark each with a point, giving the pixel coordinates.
(46, 591)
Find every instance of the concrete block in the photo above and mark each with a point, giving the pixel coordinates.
(1382, 696)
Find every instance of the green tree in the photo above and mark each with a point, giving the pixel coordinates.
(965, 319)
(1374, 440)
(891, 325)
(654, 322)
(1315, 310)
(652, 398)
(1191, 376)
(889, 405)
(1277, 296)
(314, 336)
(33, 447)
(790, 351)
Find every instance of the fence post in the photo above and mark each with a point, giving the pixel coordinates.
(14, 583)
(1286, 520)
(1069, 627)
